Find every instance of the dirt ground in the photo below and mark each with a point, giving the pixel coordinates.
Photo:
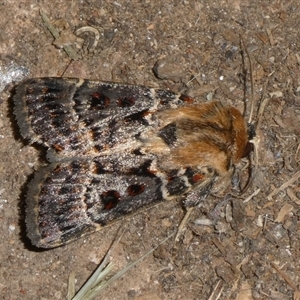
(251, 250)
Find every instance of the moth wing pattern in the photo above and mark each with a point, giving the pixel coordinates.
(80, 118)
(96, 173)
(66, 200)
(114, 149)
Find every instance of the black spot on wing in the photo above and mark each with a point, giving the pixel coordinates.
(176, 186)
(99, 101)
(143, 170)
(110, 199)
(135, 189)
(126, 102)
(139, 117)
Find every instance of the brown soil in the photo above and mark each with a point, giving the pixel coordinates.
(252, 250)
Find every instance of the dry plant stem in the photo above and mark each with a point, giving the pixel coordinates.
(103, 269)
(256, 192)
(297, 152)
(130, 266)
(182, 224)
(219, 246)
(295, 177)
(69, 49)
(271, 38)
(217, 291)
(96, 283)
(289, 281)
(195, 77)
(90, 288)
(265, 223)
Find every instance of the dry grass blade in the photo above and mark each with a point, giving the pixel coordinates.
(217, 291)
(99, 275)
(97, 282)
(71, 286)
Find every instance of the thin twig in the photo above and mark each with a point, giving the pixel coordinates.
(251, 196)
(182, 224)
(217, 291)
(295, 177)
(287, 278)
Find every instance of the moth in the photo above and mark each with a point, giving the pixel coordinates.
(114, 149)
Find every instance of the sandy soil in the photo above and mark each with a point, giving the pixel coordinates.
(252, 250)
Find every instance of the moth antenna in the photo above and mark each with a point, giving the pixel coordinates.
(66, 68)
(253, 125)
(262, 105)
(253, 155)
(251, 80)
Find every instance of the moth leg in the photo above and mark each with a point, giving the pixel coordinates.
(194, 197)
(203, 188)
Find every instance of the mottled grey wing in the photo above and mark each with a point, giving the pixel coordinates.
(80, 118)
(97, 174)
(68, 200)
